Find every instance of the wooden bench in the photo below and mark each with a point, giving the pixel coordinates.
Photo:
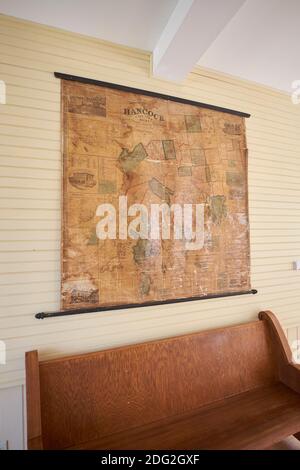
(229, 388)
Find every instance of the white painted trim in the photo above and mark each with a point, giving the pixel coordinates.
(191, 29)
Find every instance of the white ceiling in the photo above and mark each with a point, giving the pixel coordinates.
(259, 40)
(134, 23)
(261, 43)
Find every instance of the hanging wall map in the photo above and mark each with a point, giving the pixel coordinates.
(137, 170)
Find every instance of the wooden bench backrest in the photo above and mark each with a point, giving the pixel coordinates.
(88, 396)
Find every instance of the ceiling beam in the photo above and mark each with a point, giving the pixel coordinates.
(191, 29)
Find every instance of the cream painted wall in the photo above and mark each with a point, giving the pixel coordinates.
(30, 172)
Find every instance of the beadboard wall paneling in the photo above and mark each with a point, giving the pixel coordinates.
(30, 178)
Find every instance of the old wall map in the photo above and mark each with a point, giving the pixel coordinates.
(153, 151)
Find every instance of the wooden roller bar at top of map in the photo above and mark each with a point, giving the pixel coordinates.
(91, 81)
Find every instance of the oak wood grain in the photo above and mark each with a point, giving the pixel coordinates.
(251, 420)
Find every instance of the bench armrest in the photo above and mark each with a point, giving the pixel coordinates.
(288, 372)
